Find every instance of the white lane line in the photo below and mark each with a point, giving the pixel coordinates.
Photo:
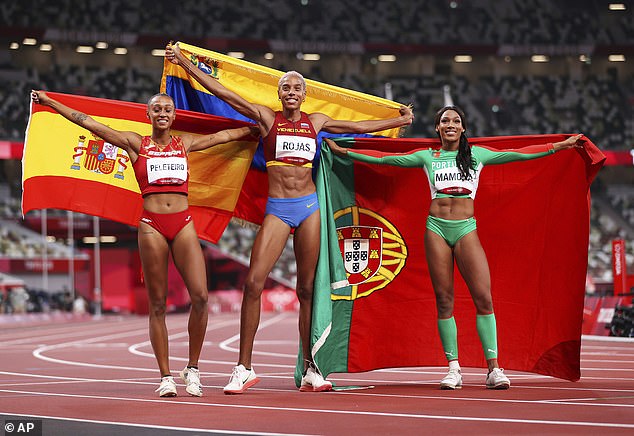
(158, 427)
(134, 348)
(47, 338)
(628, 370)
(39, 352)
(225, 345)
(606, 339)
(566, 402)
(56, 380)
(337, 412)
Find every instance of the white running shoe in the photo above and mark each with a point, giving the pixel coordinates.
(313, 381)
(167, 388)
(241, 380)
(191, 377)
(453, 380)
(497, 380)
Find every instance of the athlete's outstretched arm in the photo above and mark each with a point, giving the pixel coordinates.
(407, 160)
(327, 124)
(197, 143)
(574, 141)
(492, 156)
(129, 141)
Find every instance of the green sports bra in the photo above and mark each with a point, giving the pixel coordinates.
(445, 179)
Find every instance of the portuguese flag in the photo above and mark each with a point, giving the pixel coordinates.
(374, 305)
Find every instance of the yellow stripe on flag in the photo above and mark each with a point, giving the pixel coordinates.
(216, 174)
(55, 147)
(258, 84)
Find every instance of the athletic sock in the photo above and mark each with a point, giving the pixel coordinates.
(486, 326)
(453, 364)
(449, 337)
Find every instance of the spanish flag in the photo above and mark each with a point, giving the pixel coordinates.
(374, 304)
(66, 167)
(258, 84)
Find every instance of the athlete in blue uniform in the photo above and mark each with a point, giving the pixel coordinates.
(453, 173)
(290, 145)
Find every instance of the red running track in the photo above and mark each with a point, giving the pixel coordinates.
(86, 371)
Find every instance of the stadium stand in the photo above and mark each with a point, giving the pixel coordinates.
(502, 92)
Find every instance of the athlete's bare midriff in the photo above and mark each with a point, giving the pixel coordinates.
(290, 181)
(452, 208)
(169, 202)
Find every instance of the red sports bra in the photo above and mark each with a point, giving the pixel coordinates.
(162, 170)
(291, 143)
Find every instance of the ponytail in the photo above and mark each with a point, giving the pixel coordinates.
(463, 158)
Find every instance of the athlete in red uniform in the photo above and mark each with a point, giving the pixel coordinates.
(160, 165)
(290, 145)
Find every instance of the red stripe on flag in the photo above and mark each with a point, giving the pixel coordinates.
(57, 192)
(121, 205)
(252, 201)
(210, 223)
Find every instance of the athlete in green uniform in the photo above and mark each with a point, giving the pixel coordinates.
(453, 172)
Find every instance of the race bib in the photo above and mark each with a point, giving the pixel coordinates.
(295, 148)
(167, 170)
(450, 181)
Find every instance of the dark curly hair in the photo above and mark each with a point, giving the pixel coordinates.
(463, 158)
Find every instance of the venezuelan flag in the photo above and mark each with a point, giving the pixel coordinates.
(258, 84)
(66, 167)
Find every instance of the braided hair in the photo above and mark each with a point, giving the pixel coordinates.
(463, 158)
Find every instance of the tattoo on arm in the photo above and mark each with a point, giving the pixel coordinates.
(79, 117)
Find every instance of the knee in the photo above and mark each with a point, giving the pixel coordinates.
(304, 292)
(483, 304)
(444, 304)
(253, 288)
(158, 309)
(199, 301)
